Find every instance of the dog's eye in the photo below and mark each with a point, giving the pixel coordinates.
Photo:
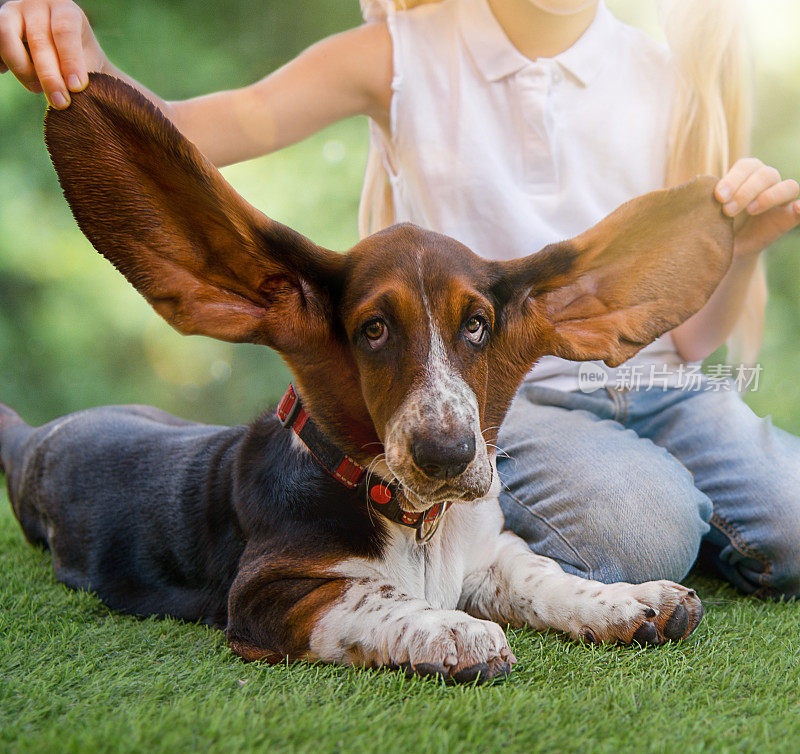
(475, 329)
(376, 332)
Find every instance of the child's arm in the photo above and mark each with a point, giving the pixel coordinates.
(764, 207)
(49, 46)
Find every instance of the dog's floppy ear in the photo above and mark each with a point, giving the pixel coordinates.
(638, 273)
(207, 261)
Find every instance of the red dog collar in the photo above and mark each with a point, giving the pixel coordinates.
(381, 496)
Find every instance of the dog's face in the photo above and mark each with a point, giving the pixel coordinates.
(419, 315)
(408, 349)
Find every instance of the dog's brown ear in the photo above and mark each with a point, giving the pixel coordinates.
(638, 273)
(207, 261)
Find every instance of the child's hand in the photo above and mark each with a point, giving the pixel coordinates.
(49, 46)
(765, 205)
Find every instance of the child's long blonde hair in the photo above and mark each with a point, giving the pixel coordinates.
(709, 130)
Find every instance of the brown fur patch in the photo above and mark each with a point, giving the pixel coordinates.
(277, 599)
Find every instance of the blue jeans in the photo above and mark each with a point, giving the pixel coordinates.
(622, 485)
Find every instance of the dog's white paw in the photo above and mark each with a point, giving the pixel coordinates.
(452, 645)
(649, 613)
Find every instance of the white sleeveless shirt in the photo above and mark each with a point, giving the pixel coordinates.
(508, 154)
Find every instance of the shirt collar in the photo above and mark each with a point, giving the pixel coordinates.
(497, 58)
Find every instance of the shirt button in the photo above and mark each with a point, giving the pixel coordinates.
(556, 76)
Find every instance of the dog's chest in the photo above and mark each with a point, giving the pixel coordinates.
(436, 571)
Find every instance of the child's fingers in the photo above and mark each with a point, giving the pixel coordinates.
(784, 218)
(3, 66)
(12, 51)
(783, 192)
(757, 182)
(65, 24)
(736, 176)
(45, 59)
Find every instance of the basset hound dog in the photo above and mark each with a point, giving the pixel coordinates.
(359, 524)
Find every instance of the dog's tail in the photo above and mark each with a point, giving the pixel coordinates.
(12, 435)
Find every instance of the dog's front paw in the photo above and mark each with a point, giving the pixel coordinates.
(649, 613)
(451, 645)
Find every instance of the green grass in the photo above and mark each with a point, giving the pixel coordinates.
(75, 677)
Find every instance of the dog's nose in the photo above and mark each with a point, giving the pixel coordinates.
(443, 458)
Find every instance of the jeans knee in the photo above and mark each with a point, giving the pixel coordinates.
(618, 513)
(618, 538)
(662, 544)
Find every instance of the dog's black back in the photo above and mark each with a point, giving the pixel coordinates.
(153, 513)
(147, 525)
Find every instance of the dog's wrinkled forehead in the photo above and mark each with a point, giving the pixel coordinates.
(414, 260)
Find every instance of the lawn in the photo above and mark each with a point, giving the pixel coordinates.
(78, 678)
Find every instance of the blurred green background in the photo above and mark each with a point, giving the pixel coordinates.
(73, 334)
